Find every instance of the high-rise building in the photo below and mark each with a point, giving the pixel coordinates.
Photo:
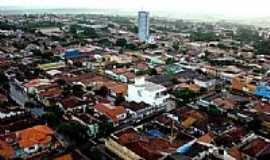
(143, 26)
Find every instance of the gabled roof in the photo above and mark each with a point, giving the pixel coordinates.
(135, 106)
(37, 82)
(117, 88)
(6, 150)
(188, 122)
(207, 138)
(255, 147)
(71, 102)
(40, 134)
(236, 153)
(147, 147)
(51, 93)
(110, 111)
(263, 107)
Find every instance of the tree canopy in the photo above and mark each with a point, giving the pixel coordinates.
(204, 36)
(185, 95)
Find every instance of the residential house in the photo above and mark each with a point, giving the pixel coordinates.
(129, 144)
(263, 90)
(72, 103)
(117, 75)
(89, 121)
(114, 113)
(6, 151)
(51, 66)
(256, 148)
(244, 84)
(148, 92)
(116, 89)
(138, 111)
(31, 141)
(205, 82)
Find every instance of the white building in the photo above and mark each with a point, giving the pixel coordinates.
(147, 92)
(205, 82)
(143, 26)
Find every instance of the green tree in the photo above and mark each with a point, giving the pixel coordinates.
(212, 109)
(91, 151)
(169, 61)
(105, 129)
(132, 46)
(152, 46)
(152, 71)
(103, 91)
(262, 47)
(119, 100)
(50, 118)
(185, 95)
(3, 104)
(255, 125)
(74, 131)
(56, 110)
(121, 42)
(176, 45)
(105, 42)
(91, 33)
(3, 80)
(61, 82)
(73, 29)
(204, 36)
(30, 104)
(246, 34)
(77, 90)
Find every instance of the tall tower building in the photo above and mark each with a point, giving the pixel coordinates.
(143, 25)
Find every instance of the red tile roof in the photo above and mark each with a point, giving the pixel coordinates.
(235, 153)
(147, 147)
(207, 138)
(117, 88)
(119, 70)
(6, 150)
(71, 102)
(263, 107)
(51, 93)
(110, 111)
(40, 134)
(255, 147)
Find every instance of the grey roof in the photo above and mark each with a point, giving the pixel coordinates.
(177, 156)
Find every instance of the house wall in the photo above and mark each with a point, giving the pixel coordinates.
(205, 84)
(32, 149)
(139, 115)
(138, 94)
(121, 151)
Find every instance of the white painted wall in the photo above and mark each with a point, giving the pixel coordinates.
(138, 93)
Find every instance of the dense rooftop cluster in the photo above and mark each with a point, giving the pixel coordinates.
(85, 87)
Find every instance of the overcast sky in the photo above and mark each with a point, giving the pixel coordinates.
(246, 8)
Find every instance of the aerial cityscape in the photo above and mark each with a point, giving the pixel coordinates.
(108, 84)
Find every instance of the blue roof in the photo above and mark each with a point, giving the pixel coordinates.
(263, 91)
(186, 147)
(183, 149)
(72, 53)
(154, 133)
